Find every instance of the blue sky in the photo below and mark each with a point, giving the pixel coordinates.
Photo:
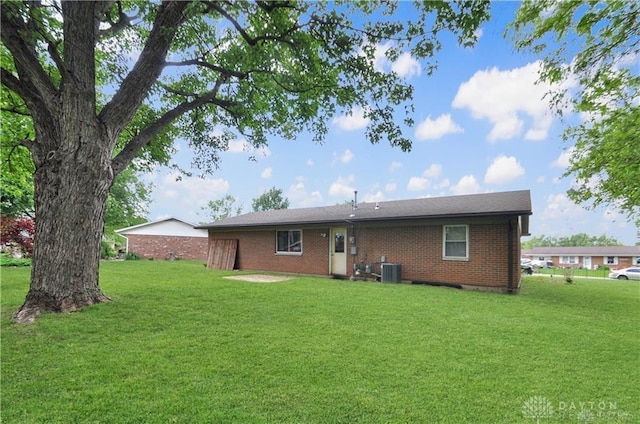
(481, 125)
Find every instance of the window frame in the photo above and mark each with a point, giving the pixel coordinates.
(605, 260)
(568, 260)
(289, 252)
(444, 243)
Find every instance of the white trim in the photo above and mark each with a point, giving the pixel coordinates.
(444, 243)
(287, 253)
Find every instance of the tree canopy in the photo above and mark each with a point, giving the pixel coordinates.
(221, 208)
(575, 240)
(270, 200)
(590, 52)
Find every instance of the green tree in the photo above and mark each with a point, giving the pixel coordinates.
(222, 208)
(202, 70)
(271, 199)
(591, 51)
(580, 239)
(16, 166)
(127, 203)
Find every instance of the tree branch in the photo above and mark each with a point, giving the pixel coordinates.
(134, 89)
(219, 69)
(33, 83)
(252, 41)
(145, 136)
(123, 22)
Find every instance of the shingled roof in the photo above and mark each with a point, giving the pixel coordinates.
(488, 204)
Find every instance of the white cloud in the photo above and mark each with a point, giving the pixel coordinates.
(381, 63)
(298, 194)
(190, 192)
(376, 197)
(478, 33)
(443, 184)
(432, 129)
(466, 185)
(267, 173)
(406, 66)
(503, 170)
(418, 184)
(243, 146)
(560, 206)
(434, 171)
(390, 187)
(563, 161)
(310, 162)
(541, 179)
(351, 122)
(342, 187)
(505, 98)
(395, 165)
(237, 146)
(346, 156)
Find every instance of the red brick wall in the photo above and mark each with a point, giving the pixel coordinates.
(623, 262)
(256, 251)
(416, 246)
(160, 247)
(418, 250)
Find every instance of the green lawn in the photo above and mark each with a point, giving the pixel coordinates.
(181, 344)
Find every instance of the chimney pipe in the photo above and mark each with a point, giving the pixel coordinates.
(355, 202)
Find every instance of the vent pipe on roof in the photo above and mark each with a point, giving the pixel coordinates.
(355, 200)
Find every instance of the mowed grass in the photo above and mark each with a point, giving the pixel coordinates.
(181, 344)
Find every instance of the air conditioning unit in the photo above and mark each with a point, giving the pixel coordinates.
(391, 273)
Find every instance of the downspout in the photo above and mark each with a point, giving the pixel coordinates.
(511, 258)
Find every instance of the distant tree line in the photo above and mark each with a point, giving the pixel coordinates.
(580, 239)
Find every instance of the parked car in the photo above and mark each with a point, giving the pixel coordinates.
(632, 273)
(526, 267)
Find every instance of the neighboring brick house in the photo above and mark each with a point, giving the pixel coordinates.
(470, 241)
(168, 238)
(590, 257)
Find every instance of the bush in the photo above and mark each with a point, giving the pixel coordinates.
(6, 260)
(107, 251)
(17, 232)
(132, 256)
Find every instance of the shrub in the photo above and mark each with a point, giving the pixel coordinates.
(132, 256)
(18, 232)
(6, 260)
(107, 251)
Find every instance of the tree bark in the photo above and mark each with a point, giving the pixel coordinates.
(73, 175)
(71, 189)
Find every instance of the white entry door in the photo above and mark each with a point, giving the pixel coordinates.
(338, 251)
(587, 262)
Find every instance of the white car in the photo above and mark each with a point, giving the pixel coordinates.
(632, 273)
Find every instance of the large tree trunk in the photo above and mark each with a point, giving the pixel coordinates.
(72, 179)
(71, 190)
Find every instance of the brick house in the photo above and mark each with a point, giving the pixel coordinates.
(168, 238)
(589, 257)
(469, 241)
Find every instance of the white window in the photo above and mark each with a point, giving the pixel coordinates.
(455, 242)
(570, 260)
(610, 260)
(289, 241)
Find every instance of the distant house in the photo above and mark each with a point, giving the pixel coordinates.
(590, 257)
(168, 238)
(470, 241)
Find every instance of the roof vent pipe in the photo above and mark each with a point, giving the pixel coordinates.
(355, 201)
